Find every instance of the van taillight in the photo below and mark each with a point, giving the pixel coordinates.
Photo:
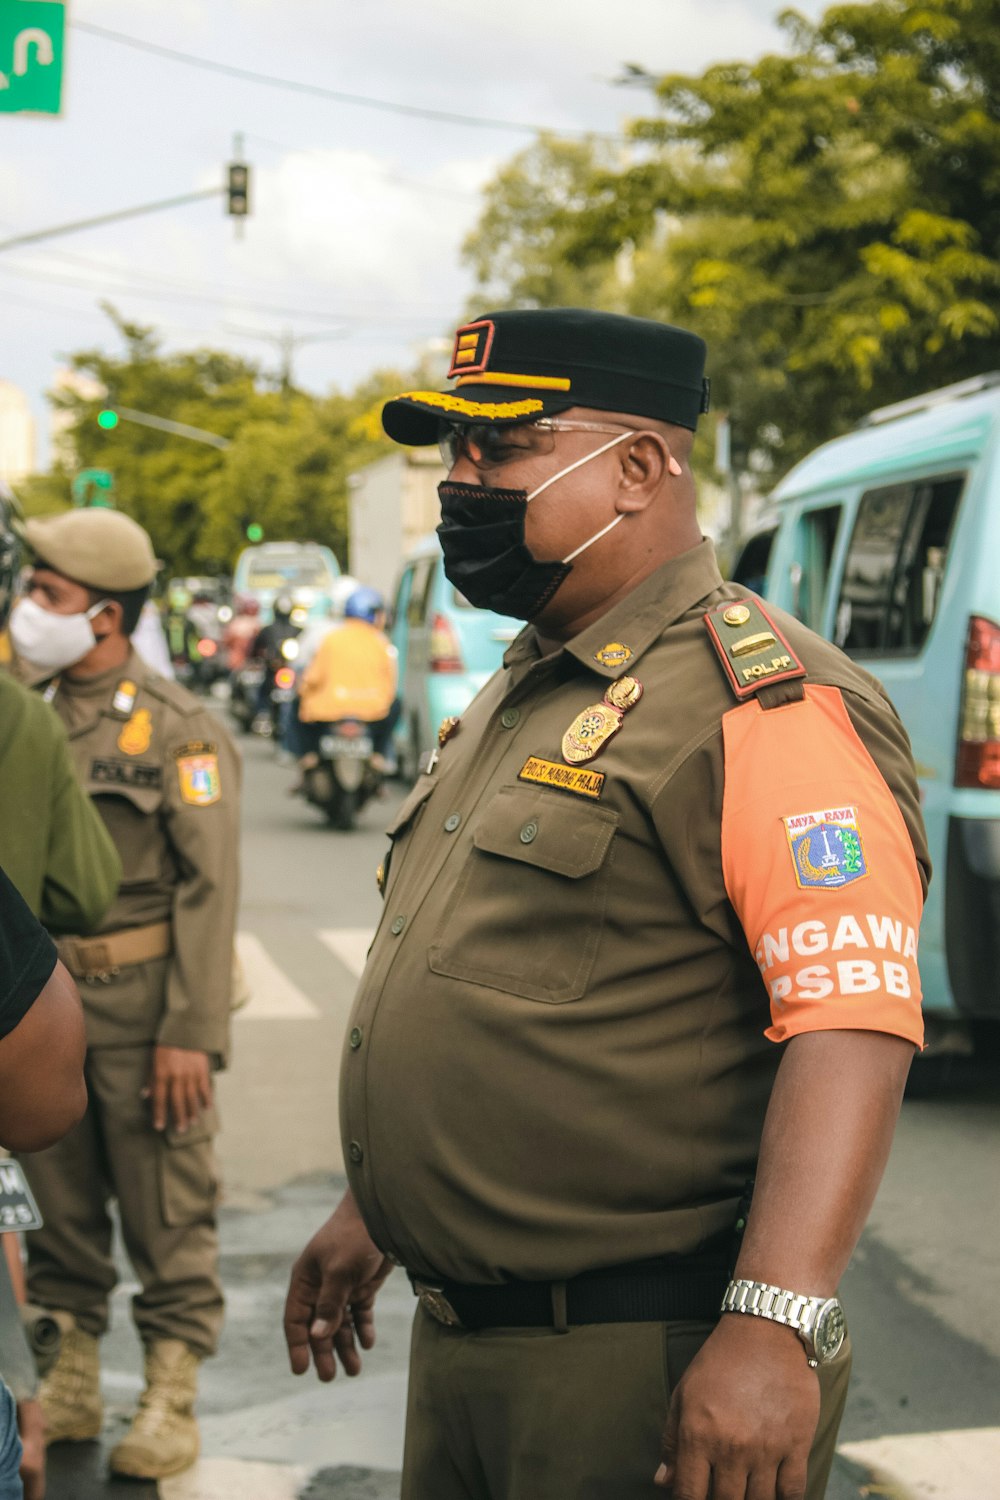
(445, 653)
(978, 759)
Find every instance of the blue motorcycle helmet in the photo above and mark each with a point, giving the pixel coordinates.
(364, 604)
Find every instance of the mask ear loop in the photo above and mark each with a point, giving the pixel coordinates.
(581, 461)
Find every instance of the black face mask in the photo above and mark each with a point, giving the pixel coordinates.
(486, 556)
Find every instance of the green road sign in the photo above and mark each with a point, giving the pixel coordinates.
(93, 487)
(31, 56)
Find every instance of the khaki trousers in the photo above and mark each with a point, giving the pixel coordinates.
(531, 1414)
(166, 1187)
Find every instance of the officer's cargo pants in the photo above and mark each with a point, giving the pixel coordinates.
(166, 1188)
(531, 1414)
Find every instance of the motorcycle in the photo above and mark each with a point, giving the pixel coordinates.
(344, 778)
(244, 686)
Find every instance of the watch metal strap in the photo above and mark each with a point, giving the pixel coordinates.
(775, 1303)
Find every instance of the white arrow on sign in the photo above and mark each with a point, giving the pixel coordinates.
(24, 41)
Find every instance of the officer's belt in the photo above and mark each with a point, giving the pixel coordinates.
(102, 957)
(666, 1290)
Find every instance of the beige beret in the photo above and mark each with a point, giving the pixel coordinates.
(100, 548)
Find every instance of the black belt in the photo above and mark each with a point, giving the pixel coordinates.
(673, 1289)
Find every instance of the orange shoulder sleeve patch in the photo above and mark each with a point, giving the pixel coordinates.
(820, 870)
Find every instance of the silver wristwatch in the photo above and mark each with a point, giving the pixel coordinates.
(818, 1321)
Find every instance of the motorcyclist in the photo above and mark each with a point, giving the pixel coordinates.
(241, 631)
(267, 647)
(353, 675)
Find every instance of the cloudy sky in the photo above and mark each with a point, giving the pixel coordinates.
(358, 211)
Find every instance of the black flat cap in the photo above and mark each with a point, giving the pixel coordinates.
(516, 366)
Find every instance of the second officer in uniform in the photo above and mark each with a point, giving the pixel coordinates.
(155, 983)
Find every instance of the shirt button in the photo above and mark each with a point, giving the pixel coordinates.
(398, 923)
(356, 1038)
(528, 832)
(510, 717)
(452, 822)
(355, 1152)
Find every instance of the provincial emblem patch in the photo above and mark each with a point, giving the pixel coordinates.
(826, 848)
(199, 779)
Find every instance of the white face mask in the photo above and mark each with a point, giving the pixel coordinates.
(579, 464)
(50, 641)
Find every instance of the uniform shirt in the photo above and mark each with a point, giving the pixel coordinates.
(164, 775)
(53, 844)
(562, 1047)
(27, 957)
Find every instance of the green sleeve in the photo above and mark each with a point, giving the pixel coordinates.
(83, 870)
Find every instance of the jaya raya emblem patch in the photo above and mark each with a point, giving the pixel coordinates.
(826, 848)
(199, 779)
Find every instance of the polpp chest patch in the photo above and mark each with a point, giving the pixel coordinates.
(125, 773)
(198, 776)
(826, 848)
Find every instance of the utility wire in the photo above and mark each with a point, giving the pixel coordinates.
(387, 106)
(233, 300)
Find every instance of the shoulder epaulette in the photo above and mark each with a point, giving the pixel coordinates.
(752, 649)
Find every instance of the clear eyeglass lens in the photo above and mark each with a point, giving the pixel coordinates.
(489, 446)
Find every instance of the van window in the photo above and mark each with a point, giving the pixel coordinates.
(423, 573)
(816, 537)
(401, 602)
(750, 567)
(895, 565)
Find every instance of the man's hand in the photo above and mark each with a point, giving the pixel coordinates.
(743, 1417)
(30, 1426)
(331, 1295)
(179, 1088)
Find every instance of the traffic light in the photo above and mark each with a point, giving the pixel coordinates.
(238, 190)
(255, 532)
(108, 419)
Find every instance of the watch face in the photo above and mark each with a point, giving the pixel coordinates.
(830, 1330)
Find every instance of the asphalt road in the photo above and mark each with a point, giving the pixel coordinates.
(924, 1414)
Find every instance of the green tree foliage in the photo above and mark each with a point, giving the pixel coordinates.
(828, 219)
(286, 467)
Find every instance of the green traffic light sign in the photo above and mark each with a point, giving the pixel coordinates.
(255, 532)
(31, 56)
(107, 419)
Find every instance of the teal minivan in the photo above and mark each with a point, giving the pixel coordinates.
(887, 542)
(447, 650)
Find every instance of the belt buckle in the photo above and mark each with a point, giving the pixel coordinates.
(433, 1300)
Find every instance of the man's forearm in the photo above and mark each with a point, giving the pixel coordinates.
(825, 1144)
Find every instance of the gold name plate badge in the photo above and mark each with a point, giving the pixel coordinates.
(567, 778)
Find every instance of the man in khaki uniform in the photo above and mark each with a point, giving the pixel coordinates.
(649, 935)
(155, 983)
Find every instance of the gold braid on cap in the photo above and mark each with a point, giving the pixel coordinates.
(490, 410)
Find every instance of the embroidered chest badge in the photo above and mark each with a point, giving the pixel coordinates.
(826, 848)
(137, 733)
(591, 729)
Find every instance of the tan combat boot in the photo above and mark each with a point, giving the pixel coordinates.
(70, 1394)
(163, 1438)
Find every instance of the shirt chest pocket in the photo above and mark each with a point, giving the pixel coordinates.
(131, 815)
(527, 913)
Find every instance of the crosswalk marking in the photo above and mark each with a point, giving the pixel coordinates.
(222, 1478)
(273, 996)
(349, 944)
(961, 1465)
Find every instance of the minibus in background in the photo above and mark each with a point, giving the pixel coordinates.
(887, 542)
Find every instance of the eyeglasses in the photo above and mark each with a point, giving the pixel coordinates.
(487, 445)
